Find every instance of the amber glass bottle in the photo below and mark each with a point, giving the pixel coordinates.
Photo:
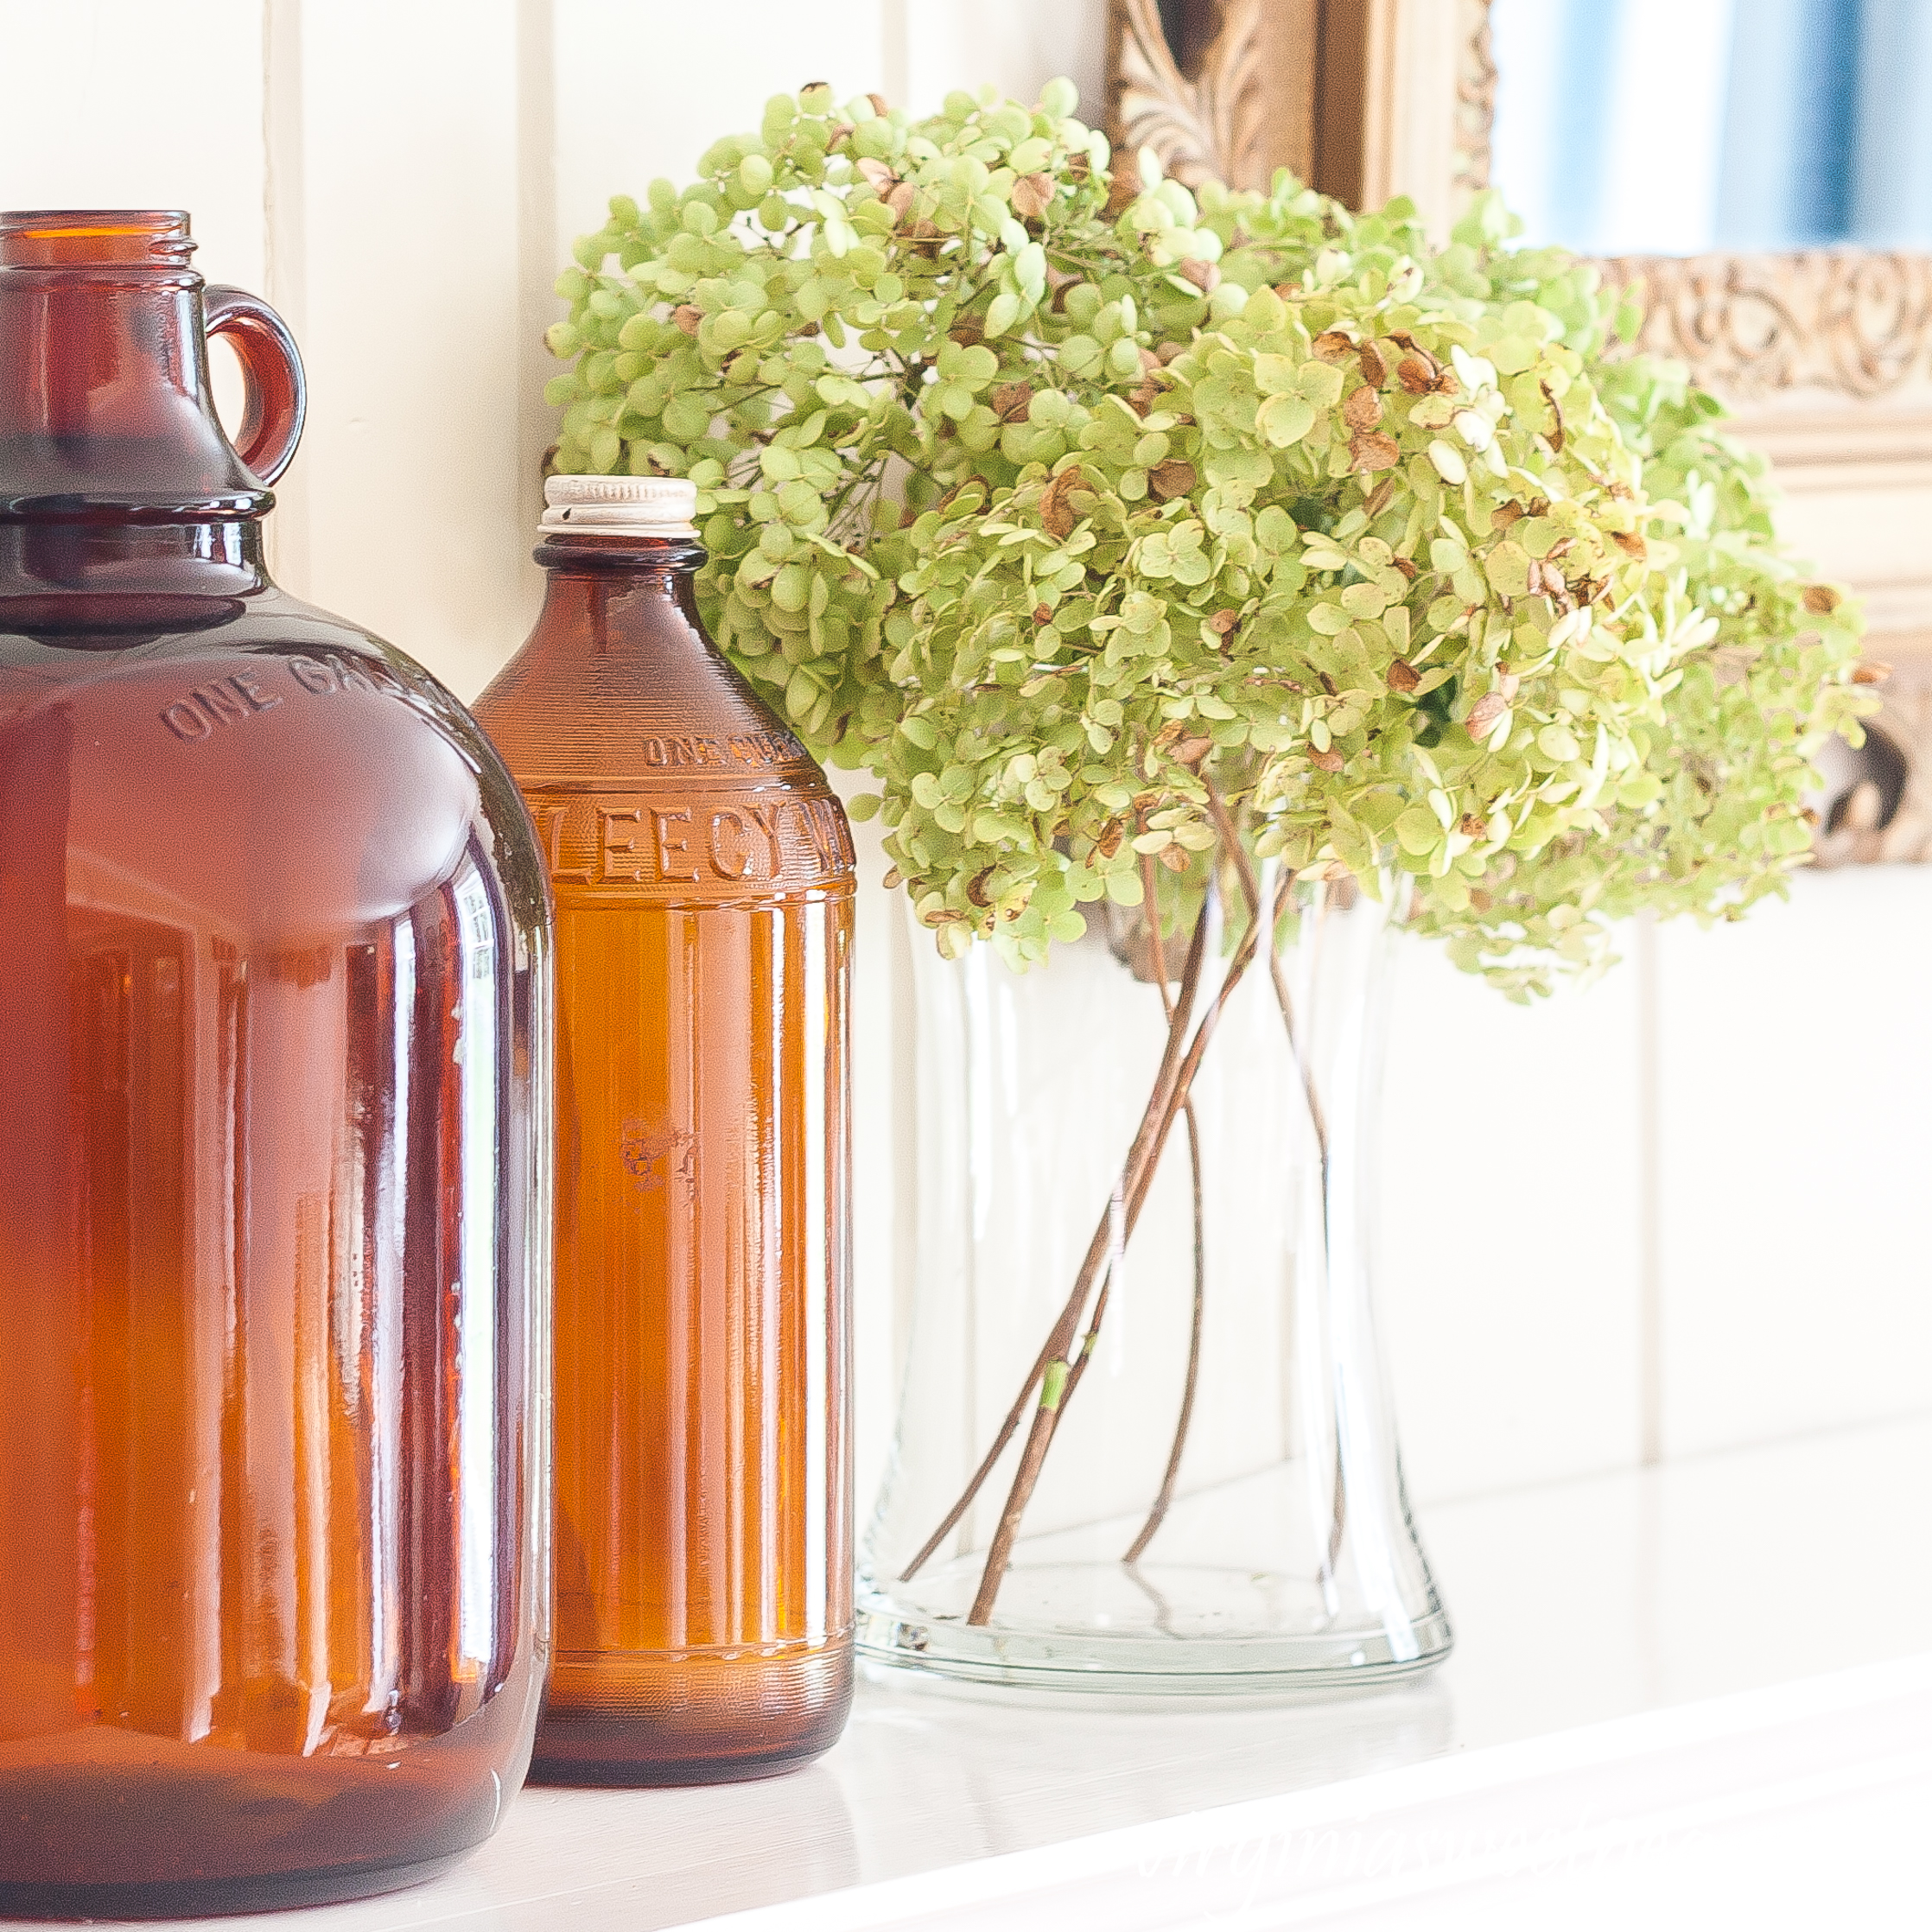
(273, 1047)
(703, 880)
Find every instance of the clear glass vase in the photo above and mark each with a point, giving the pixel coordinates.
(1219, 1507)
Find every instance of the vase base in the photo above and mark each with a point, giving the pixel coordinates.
(1146, 1632)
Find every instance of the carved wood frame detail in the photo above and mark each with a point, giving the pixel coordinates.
(1210, 127)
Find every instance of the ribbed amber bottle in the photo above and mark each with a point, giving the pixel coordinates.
(703, 879)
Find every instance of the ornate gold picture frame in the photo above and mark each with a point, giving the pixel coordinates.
(1824, 357)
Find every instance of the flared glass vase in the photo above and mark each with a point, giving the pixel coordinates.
(1220, 1509)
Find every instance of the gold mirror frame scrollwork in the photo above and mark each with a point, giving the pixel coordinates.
(1824, 357)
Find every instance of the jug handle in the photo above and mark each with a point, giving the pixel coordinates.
(277, 398)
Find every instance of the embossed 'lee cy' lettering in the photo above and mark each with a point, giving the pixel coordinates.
(607, 841)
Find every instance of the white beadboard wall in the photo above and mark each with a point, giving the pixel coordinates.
(1678, 1213)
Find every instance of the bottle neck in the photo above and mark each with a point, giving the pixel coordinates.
(603, 593)
(104, 401)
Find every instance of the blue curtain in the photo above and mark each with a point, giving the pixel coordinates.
(1828, 129)
(1827, 119)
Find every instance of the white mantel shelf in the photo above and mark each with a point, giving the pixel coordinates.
(1700, 1694)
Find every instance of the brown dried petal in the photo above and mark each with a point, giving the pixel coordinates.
(1416, 372)
(1362, 409)
(839, 130)
(1328, 762)
(968, 332)
(1205, 276)
(1043, 613)
(1377, 499)
(1149, 362)
(1192, 751)
(1172, 478)
(1471, 826)
(1010, 401)
(975, 888)
(1174, 857)
(1630, 543)
(1504, 514)
(687, 317)
(1871, 671)
(1165, 352)
(1375, 365)
(1403, 676)
(893, 879)
(1484, 714)
(1371, 451)
(1054, 511)
(1108, 843)
(1556, 426)
(1331, 345)
(1223, 622)
(901, 199)
(1820, 599)
(1480, 899)
(1123, 189)
(878, 172)
(879, 105)
(1031, 195)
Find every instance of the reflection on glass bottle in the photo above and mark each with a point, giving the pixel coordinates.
(703, 879)
(274, 953)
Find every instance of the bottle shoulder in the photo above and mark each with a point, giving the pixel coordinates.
(618, 683)
(282, 732)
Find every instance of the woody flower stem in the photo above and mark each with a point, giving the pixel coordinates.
(1158, 1513)
(1157, 1100)
(1063, 1368)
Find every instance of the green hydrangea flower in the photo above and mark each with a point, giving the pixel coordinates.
(1091, 517)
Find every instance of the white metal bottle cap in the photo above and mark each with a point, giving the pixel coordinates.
(621, 506)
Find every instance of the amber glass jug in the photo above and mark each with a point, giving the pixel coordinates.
(274, 989)
(703, 879)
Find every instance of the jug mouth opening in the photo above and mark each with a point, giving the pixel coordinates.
(94, 238)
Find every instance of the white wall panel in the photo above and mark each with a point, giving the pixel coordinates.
(1508, 1265)
(406, 235)
(121, 104)
(1017, 45)
(1795, 1124)
(645, 86)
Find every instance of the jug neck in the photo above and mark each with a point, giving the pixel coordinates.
(105, 412)
(125, 562)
